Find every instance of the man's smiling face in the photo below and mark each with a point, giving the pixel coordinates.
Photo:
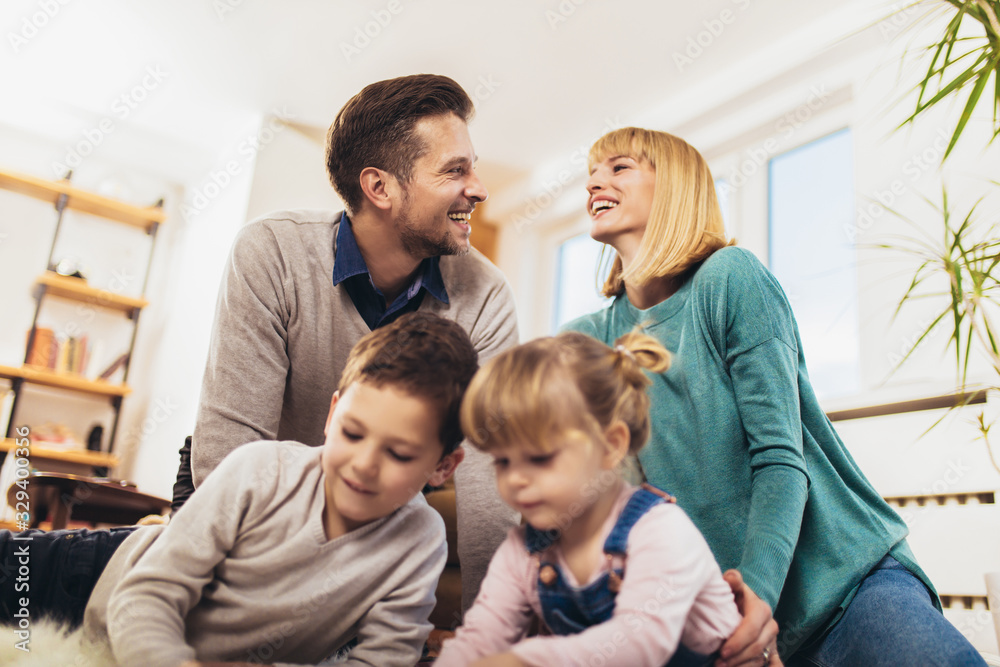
(438, 200)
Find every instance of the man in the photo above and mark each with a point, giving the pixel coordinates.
(302, 287)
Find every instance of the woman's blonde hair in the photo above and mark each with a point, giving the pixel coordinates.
(562, 386)
(685, 221)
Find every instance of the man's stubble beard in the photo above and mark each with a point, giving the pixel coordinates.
(421, 244)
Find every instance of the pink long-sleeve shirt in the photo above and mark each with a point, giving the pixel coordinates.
(672, 593)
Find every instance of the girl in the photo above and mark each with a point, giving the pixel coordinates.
(737, 431)
(618, 575)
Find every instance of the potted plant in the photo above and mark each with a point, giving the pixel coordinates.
(962, 64)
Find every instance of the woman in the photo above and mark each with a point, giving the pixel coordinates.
(738, 435)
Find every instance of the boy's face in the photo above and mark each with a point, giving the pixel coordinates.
(381, 448)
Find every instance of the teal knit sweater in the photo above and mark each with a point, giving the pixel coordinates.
(739, 437)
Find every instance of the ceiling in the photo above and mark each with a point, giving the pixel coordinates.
(548, 76)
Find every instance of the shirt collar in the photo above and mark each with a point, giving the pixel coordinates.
(348, 262)
(432, 280)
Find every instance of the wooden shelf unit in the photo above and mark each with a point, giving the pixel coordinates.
(80, 200)
(81, 456)
(65, 196)
(77, 289)
(70, 381)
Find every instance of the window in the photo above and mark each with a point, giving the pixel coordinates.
(811, 202)
(722, 192)
(576, 285)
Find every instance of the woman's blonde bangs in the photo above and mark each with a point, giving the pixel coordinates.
(632, 142)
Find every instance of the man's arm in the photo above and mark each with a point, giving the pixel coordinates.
(243, 387)
(483, 518)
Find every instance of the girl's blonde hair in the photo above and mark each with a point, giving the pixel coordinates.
(562, 386)
(685, 221)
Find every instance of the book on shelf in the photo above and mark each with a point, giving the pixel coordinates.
(6, 403)
(41, 352)
(115, 365)
(59, 352)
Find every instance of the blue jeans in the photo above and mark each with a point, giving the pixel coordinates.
(891, 622)
(54, 572)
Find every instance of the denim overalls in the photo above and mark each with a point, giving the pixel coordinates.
(567, 610)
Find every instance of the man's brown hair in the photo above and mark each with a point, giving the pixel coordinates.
(376, 128)
(424, 355)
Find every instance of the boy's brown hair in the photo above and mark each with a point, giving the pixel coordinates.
(424, 355)
(377, 128)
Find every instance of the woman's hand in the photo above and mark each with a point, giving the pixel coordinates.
(195, 663)
(499, 660)
(757, 630)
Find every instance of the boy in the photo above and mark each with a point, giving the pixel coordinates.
(286, 552)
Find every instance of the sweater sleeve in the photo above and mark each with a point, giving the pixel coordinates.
(502, 612)
(392, 633)
(147, 609)
(244, 381)
(670, 576)
(761, 351)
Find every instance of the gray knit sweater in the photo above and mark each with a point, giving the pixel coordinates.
(244, 572)
(281, 338)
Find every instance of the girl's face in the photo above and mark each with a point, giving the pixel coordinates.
(556, 489)
(621, 197)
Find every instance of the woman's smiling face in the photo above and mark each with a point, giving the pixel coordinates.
(620, 198)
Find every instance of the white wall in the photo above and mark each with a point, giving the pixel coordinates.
(270, 166)
(290, 173)
(207, 218)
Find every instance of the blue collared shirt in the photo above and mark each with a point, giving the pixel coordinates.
(349, 268)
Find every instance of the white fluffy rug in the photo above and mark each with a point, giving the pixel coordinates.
(50, 646)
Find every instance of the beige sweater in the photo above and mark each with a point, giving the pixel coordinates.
(281, 338)
(244, 572)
